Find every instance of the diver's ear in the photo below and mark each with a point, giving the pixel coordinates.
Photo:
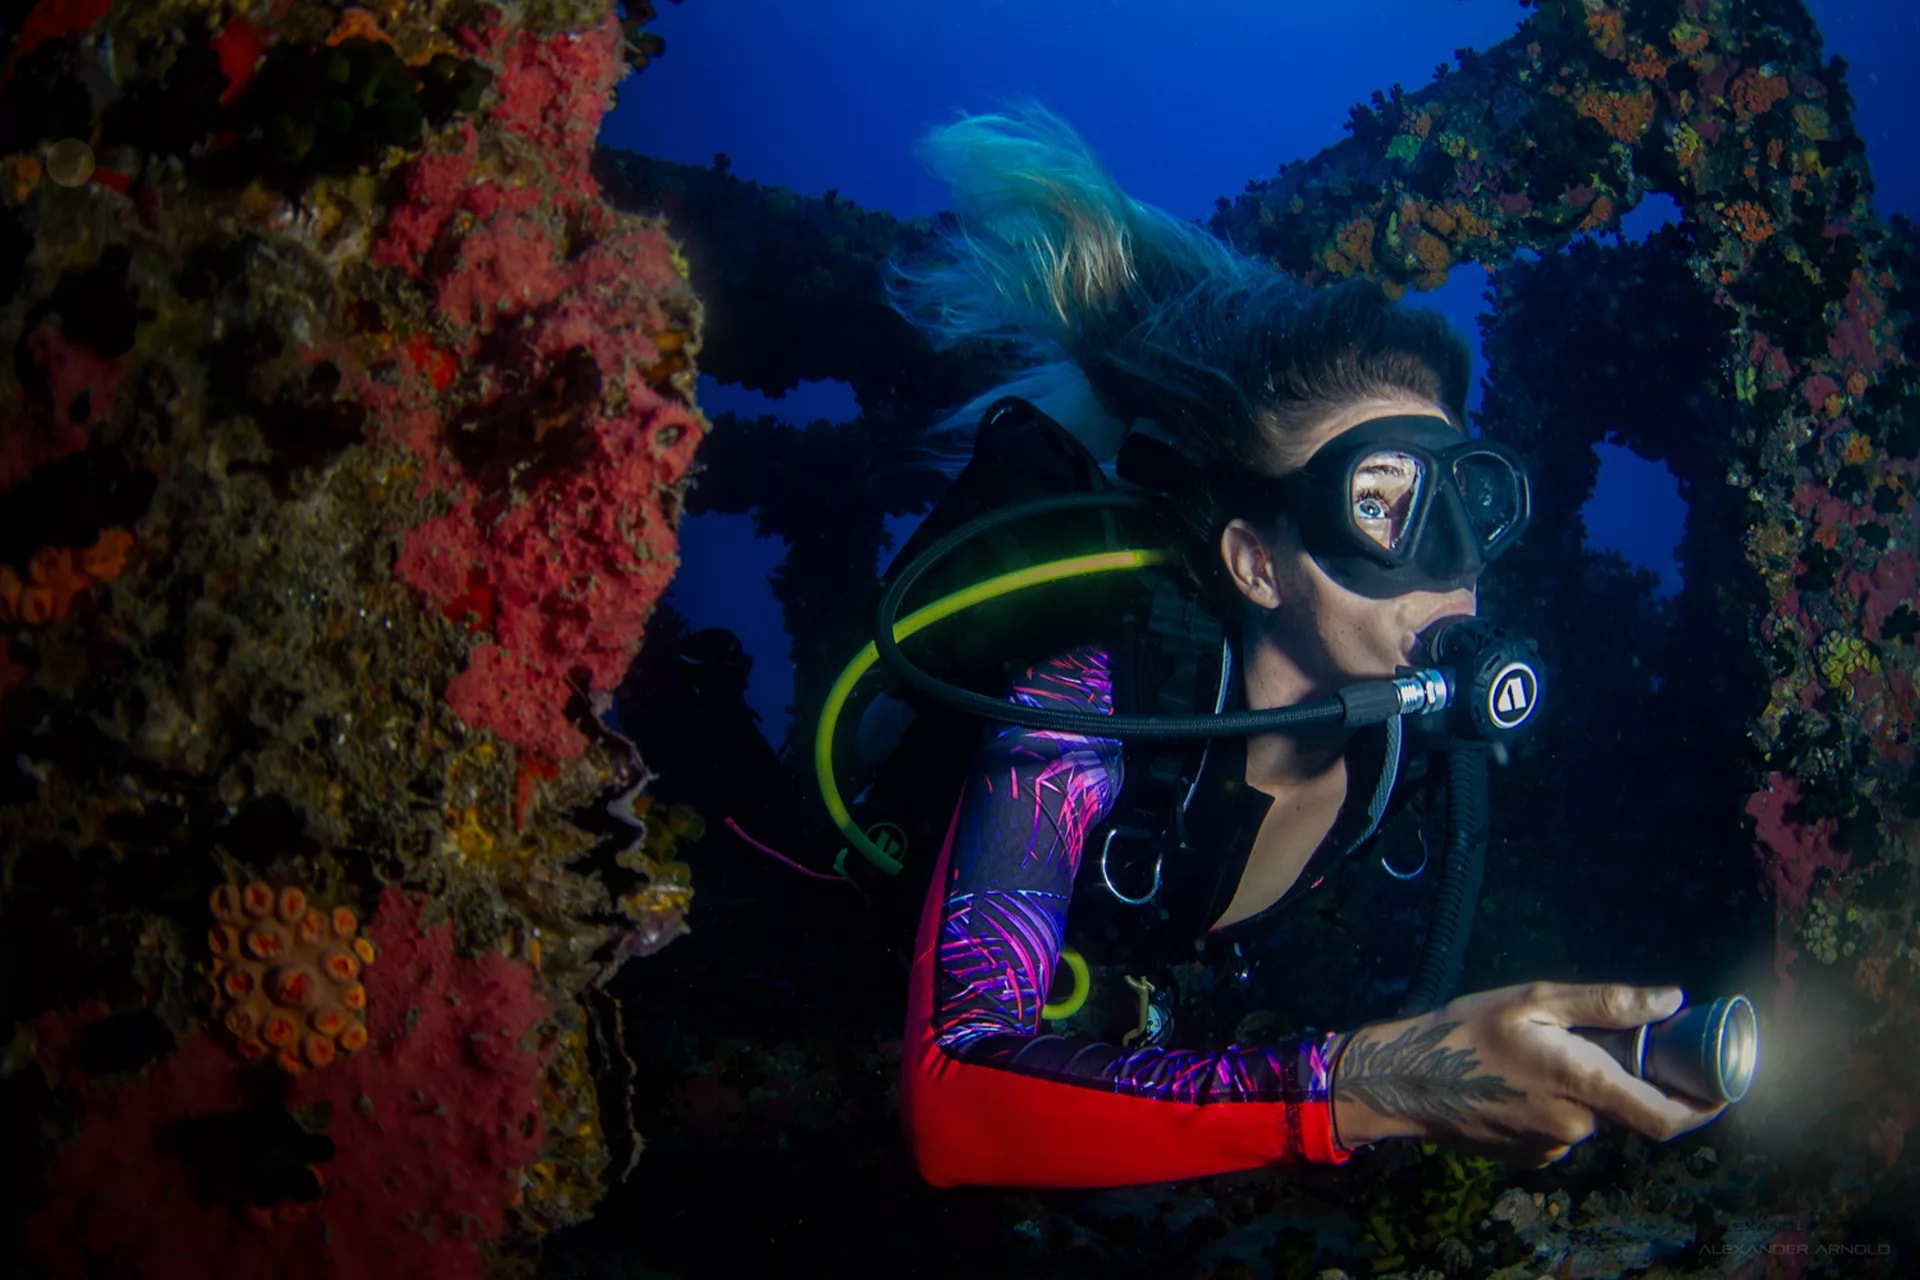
(1249, 558)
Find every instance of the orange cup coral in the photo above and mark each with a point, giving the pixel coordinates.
(286, 975)
(57, 576)
(1750, 220)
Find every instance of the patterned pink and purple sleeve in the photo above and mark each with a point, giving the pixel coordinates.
(988, 1098)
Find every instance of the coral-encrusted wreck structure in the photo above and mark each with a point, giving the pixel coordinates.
(346, 431)
(345, 428)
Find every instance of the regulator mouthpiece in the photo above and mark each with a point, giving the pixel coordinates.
(1491, 680)
(1709, 1052)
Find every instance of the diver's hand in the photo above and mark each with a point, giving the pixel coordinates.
(1501, 1073)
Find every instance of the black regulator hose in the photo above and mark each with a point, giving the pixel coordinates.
(1357, 705)
(1460, 878)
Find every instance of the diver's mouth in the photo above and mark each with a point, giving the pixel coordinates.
(1415, 650)
(1455, 612)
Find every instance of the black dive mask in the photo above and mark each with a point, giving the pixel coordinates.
(1406, 503)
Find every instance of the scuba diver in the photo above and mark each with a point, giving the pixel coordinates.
(1305, 452)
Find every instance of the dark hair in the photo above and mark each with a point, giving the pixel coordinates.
(1240, 371)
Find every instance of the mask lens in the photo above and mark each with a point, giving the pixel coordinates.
(1491, 493)
(1387, 488)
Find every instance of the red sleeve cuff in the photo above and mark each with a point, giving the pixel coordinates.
(1317, 1142)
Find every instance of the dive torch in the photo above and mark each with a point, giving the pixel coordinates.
(1709, 1052)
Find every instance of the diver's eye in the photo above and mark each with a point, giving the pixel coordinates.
(1372, 506)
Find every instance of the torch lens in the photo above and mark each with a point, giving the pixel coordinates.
(1739, 1045)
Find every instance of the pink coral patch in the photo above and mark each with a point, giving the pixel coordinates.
(554, 92)
(502, 268)
(1853, 341)
(1894, 581)
(436, 183)
(570, 563)
(1792, 848)
(1817, 390)
(81, 388)
(431, 1123)
(517, 697)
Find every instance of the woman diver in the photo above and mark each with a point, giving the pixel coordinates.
(1304, 420)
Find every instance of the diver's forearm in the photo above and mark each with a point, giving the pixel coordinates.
(1396, 1080)
(1355, 1123)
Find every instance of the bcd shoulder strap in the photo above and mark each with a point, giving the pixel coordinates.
(1170, 661)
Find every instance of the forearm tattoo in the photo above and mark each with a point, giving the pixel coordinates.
(1412, 1075)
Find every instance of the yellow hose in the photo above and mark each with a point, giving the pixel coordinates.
(1082, 984)
(919, 620)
